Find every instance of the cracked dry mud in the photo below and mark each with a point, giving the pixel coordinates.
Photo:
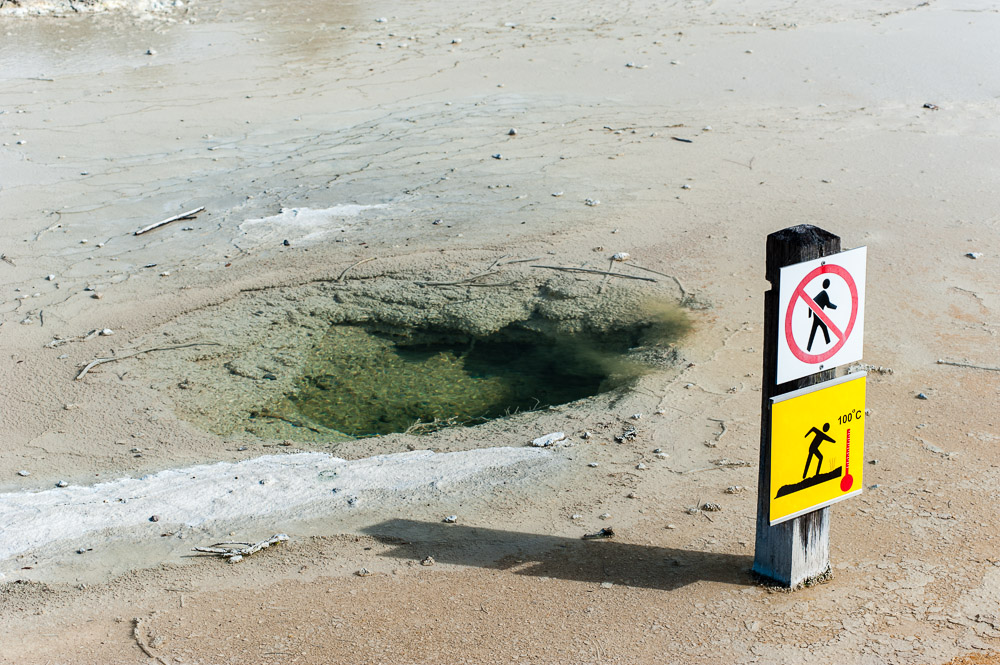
(354, 139)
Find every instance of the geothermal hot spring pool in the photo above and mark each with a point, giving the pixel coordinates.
(363, 382)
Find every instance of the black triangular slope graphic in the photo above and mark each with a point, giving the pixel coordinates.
(810, 482)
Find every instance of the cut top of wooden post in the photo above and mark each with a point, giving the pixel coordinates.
(795, 245)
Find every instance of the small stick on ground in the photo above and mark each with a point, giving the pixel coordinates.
(507, 263)
(724, 430)
(100, 361)
(497, 262)
(604, 282)
(970, 365)
(684, 293)
(460, 281)
(596, 272)
(184, 215)
(137, 636)
(340, 277)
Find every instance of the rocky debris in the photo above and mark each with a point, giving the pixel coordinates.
(735, 489)
(364, 572)
(606, 532)
(711, 507)
(428, 561)
(451, 519)
(629, 434)
(728, 463)
(872, 369)
(548, 439)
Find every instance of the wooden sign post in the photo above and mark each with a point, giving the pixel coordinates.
(798, 550)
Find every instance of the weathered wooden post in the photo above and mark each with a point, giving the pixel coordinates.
(798, 550)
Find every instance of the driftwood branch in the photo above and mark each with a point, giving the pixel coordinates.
(184, 215)
(970, 365)
(236, 554)
(340, 277)
(100, 361)
(596, 272)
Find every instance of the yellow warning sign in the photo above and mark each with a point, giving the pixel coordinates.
(817, 446)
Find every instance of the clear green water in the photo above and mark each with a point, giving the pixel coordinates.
(364, 383)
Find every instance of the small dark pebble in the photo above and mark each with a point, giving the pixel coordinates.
(154, 518)
(933, 107)
(286, 243)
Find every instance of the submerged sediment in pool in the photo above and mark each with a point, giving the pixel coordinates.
(363, 382)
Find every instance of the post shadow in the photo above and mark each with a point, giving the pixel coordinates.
(539, 555)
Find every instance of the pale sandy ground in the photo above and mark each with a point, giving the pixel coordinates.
(816, 115)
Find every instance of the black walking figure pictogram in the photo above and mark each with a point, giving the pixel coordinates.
(817, 478)
(814, 448)
(823, 300)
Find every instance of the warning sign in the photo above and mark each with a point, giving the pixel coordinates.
(817, 446)
(821, 310)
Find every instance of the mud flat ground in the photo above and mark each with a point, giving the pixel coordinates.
(356, 138)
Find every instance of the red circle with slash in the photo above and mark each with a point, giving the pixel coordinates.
(842, 335)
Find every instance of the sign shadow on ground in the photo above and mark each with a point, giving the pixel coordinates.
(595, 561)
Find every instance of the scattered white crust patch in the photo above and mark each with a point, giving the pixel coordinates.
(303, 225)
(309, 484)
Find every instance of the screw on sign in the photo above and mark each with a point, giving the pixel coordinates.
(821, 314)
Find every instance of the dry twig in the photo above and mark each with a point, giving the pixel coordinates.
(340, 277)
(970, 365)
(460, 281)
(100, 361)
(724, 430)
(596, 272)
(184, 215)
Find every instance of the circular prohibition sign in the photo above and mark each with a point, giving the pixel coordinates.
(842, 335)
